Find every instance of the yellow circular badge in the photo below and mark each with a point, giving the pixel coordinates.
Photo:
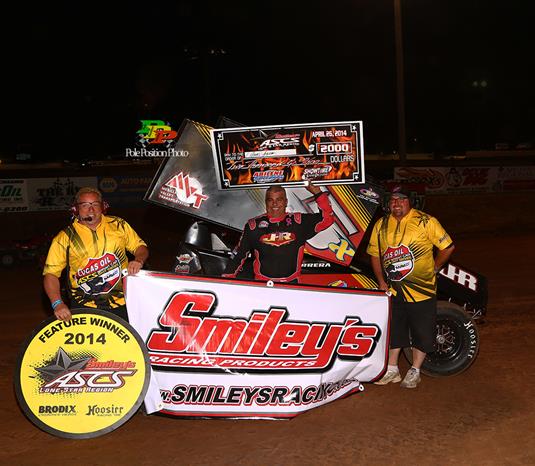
(82, 378)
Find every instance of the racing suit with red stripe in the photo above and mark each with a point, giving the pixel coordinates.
(278, 244)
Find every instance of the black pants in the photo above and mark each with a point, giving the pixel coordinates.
(414, 324)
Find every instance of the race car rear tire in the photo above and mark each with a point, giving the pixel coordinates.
(457, 342)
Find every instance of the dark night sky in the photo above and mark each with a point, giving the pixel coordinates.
(78, 76)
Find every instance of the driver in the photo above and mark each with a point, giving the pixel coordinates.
(277, 238)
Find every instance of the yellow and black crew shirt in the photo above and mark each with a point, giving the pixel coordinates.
(95, 259)
(406, 252)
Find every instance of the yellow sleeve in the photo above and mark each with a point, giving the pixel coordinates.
(437, 235)
(373, 246)
(56, 260)
(133, 241)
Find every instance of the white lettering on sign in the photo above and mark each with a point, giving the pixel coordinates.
(459, 276)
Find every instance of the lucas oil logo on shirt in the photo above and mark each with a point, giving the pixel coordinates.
(398, 262)
(99, 275)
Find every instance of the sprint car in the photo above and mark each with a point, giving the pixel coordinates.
(204, 252)
(188, 185)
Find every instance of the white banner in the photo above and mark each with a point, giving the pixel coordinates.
(223, 348)
(443, 180)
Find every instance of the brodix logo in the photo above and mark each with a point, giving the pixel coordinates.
(266, 341)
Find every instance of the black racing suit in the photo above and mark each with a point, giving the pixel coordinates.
(278, 244)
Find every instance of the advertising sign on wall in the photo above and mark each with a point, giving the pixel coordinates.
(13, 196)
(124, 191)
(443, 180)
(55, 193)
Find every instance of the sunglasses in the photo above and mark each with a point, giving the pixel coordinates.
(86, 205)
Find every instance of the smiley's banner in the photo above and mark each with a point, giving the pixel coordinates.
(241, 349)
(325, 153)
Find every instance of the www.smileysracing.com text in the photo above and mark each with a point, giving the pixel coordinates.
(260, 395)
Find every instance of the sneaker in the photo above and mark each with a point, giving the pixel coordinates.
(390, 376)
(412, 379)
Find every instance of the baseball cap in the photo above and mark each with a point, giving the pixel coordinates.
(399, 191)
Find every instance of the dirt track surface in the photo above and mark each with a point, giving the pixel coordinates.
(484, 416)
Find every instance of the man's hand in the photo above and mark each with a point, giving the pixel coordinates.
(62, 312)
(141, 255)
(313, 189)
(52, 288)
(134, 267)
(378, 272)
(382, 285)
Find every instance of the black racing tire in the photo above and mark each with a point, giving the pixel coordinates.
(457, 342)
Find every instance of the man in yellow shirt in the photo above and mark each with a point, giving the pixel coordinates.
(401, 251)
(93, 248)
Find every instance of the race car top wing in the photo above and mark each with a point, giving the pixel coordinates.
(187, 183)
